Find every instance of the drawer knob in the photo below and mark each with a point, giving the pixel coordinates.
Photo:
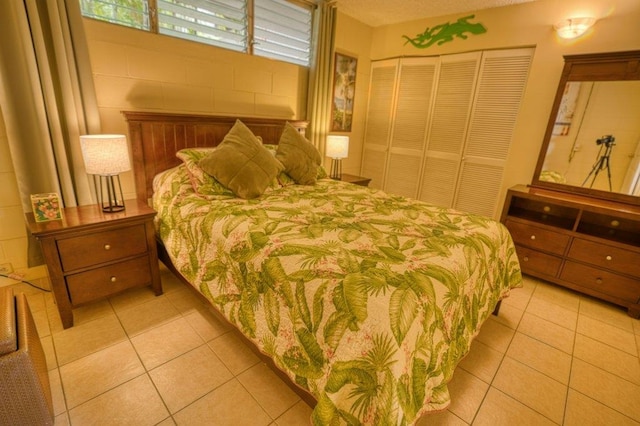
(546, 209)
(113, 279)
(608, 257)
(526, 258)
(533, 237)
(107, 246)
(598, 280)
(615, 223)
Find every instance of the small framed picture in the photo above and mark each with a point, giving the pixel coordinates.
(46, 207)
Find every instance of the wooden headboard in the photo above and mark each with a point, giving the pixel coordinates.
(156, 138)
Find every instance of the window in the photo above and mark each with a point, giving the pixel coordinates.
(277, 29)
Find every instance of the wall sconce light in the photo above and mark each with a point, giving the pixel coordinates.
(105, 157)
(337, 149)
(573, 27)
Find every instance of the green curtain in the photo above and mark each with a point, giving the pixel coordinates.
(47, 98)
(321, 76)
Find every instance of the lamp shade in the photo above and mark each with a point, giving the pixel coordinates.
(337, 146)
(573, 27)
(105, 155)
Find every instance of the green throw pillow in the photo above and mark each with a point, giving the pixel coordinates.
(241, 163)
(300, 158)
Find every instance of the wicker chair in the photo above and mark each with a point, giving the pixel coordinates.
(25, 394)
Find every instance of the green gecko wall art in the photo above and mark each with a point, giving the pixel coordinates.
(444, 33)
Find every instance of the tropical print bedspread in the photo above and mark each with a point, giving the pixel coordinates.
(366, 300)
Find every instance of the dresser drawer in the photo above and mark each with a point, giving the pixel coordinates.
(93, 249)
(535, 263)
(604, 282)
(537, 238)
(605, 256)
(102, 282)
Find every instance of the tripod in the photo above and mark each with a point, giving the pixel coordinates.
(601, 163)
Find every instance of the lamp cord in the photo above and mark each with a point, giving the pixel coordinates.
(17, 277)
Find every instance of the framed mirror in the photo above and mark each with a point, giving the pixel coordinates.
(592, 141)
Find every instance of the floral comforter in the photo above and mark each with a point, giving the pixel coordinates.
(366, 300)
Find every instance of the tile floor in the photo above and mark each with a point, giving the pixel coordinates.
(550, 357)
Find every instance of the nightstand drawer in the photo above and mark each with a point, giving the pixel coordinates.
(604, 282)
(605, 256)
(100, 247)
(102, 282)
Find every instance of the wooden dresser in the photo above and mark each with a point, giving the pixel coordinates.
(586, 244)
(91, 255)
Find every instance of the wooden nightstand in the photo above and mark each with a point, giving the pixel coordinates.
(91, 254)
(357, 180)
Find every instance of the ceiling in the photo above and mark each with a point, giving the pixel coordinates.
(384, 12)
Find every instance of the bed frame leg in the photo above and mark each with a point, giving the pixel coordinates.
(496, 310)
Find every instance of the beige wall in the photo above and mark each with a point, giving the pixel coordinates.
(528, 24)
(353, 38)
(137, 70)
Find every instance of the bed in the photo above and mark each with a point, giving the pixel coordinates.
(362, 300)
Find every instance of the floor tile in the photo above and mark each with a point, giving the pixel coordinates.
(299, 414)
(509, 316)
(166, 342)
(57, 393)
(185, 300)
(99, 372)
(498, 409)
(137, 403)
(482, 361)
(608, 358)
(49, 352)
(230, 404)
(206, 324)
(547, 332)
(132, 297)
(495, 335)
(608, 334)
(609, 389)
(557, 295)
(91, 311)
(84, 339)
(273, 395)
(41, 320)
(534, 389)
(541, 357)
(190, 376)
(584, 411)
(145, 316)
(557, 314)
(607, 313)
(233, 352)
(441, 418)
(518, 298)
(467, 393)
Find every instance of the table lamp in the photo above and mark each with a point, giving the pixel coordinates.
(105, 157)
(337, 149)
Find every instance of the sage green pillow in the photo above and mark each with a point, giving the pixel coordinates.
(300, 158)
(241, 163)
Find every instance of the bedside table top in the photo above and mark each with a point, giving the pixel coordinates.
(87, 216)
(354, 179)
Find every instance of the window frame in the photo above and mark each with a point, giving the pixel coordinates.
(154, 27)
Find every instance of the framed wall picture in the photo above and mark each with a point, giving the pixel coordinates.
(344, 91)
(46, 207)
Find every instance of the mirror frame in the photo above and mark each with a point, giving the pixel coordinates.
(614, 66)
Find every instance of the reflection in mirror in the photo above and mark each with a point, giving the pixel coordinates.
(596, 138)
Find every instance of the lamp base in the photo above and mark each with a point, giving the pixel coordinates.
(105, 187)
(336, 169)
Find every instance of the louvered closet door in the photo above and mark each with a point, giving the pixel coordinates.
(378, 125)
(448, 127)
(501, 84)
(415, 88)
